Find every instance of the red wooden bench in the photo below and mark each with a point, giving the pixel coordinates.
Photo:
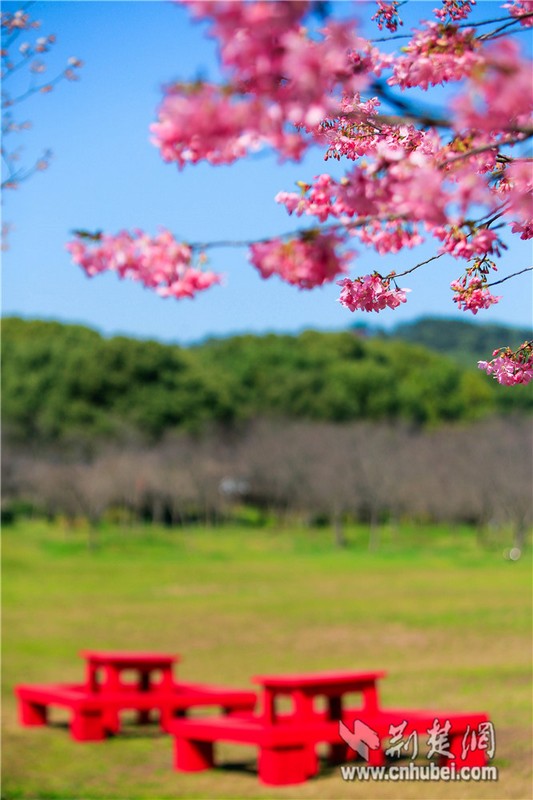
(283, 746)
(287, 740)
(95, 716)
(421, 721)
(87, 712)
(119, 681)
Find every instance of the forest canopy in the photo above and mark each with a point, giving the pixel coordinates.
(66, 382)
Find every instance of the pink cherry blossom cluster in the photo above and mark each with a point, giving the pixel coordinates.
(498, 96)
(517, 188)
(519, 8)
(458, 173)
(472, 295)
(160, 262)
(245, 31)
(311, 260)
(398, 184)
(280, 77)
(388, 237)
(370, 293)
(435, 55)
(274, 57)
(454, 10)
(201, 122)
(510, 367)
(358, 131)
(467, 245)
(387, 15)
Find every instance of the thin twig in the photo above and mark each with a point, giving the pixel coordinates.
(528, 133)
(412, 269)
(508, 24)
(358, 223)
(516, 30)
(502, 280)
(34, 90)
(462, 25)
(425, 114)
(495, 211)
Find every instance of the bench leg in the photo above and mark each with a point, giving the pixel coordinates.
(284, 766)
(192, 756)
(165, 718)
(339, 753)
(87, 726)
(32, 714)
(111, 721)
(311, 760)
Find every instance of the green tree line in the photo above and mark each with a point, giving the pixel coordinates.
(61, 382)
(464, 341)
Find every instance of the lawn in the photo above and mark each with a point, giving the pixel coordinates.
(449, 621)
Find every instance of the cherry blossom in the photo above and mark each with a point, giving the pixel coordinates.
(511, 367)
(159, 262)
(518, 8)
(461, 244)
(437, 54)
(517, 189)
(371, 293)
(473, 295)
(280, 78)
(498, 96)
(454, 10)
(455, 170)
(307, 262)
(387, 15)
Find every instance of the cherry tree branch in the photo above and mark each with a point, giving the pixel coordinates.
(48, 86)
(17, 176)
(14, 68)
(508, 277)
(416, 266)
(358, 223)
(509, 20)
(493, 34)
(410, 111)
(527, 134)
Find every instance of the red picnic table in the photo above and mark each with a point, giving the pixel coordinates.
(287, 740)
(304, 688)
(117, 681)
(111, 666)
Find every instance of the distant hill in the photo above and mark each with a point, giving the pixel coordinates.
(466, 342)
(68, 382)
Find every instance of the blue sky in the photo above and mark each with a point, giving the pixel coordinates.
(106, 175)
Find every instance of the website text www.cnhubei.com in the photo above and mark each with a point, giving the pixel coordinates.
(418, 772)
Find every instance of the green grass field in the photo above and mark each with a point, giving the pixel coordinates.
(451, 623)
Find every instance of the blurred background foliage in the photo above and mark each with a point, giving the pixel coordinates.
(63, 382)
(329, 428)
